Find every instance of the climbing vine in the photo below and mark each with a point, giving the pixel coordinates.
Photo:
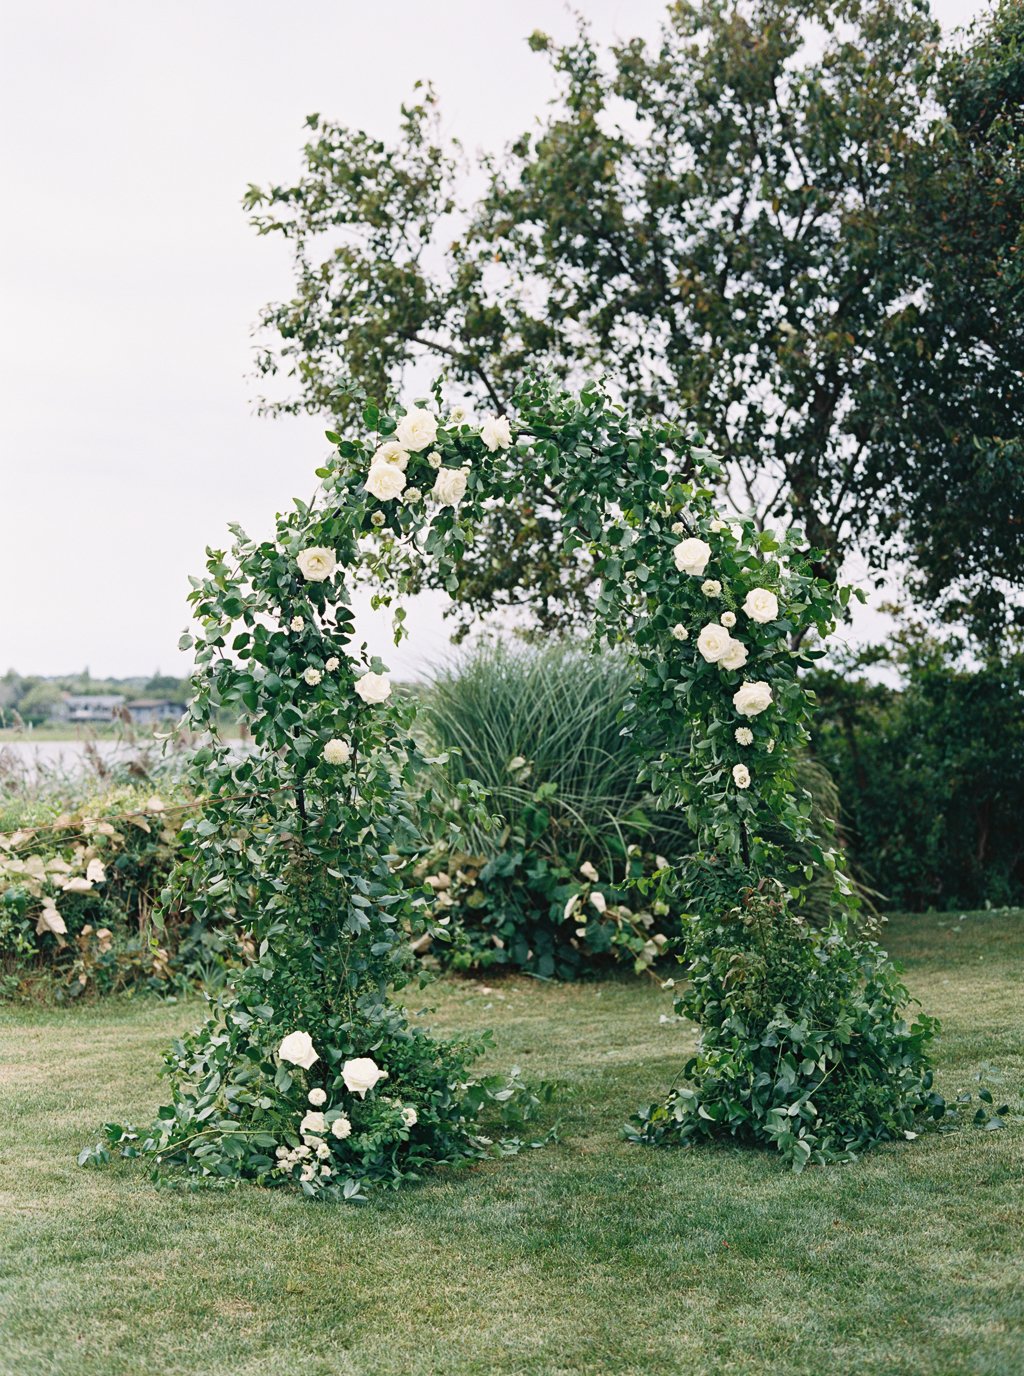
(309, 1071)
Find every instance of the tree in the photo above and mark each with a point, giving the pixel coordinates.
(792, 222)
(40, 702)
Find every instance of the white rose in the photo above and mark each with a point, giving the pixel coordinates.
(332, 664)
(390, 452)
(744, 735)
(735, 656)
(385, 481)
(95, 872)
(313, 1122)
(588, 872)
(409, 1116)
(361, 1074)
(342, 1128)
(457, 415)
(434, 459)
(713, 642)
(416, 429)
(316, 563)
(337, 752)
(741, 776)
(297, 1048)
(317, 1097)
(728, 619)
(711, 587)
(679, 631)
(496, 433)
(751, 699)
(411, 494)
(761, 605)
(450, 485)
(692, 556)
(717, 525)
(373, 688)
(677, 527)
(312, 676)
(297, 623)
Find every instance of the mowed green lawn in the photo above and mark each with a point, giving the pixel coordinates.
(590, 1256)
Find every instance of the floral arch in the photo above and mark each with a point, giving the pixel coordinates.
(309, 1072)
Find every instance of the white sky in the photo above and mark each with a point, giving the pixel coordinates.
(130, 277)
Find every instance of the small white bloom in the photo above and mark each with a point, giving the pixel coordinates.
(450, 486)
(323, 1151)
(680, 632)
(409, 1116)
(735, 656)
(751, 699)
(317, 1097)
(598, 901)
(677, 527)
(95, 872)
(373, 688)
(313, 1122)
(341, 1127)
(457, 415)
(317, 564)
(385, 481)
(713, 642)
(337, 751)
(411, 494)
(332, 664)
(312, 676)
(761, 605)
(692, 556)
(416, 429)
(297, 1048)
(717, 525)
(390, 452)
(297, 623)
(741, 776)
(589, 872)
(770, 746)
(711, 587)
(434, 459)
(377, 519)
(361, 1074)
(728, 619)
(496, 433)
(744, 735)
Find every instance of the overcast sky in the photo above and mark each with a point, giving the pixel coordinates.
(130, 277)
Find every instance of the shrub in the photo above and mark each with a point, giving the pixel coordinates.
(931, 775)
(554, 887)
(78, 889)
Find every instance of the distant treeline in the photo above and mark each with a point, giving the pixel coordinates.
(33, 698)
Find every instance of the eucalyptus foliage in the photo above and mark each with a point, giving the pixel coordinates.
(299, 840)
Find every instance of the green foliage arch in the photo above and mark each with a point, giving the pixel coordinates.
(309, 1071)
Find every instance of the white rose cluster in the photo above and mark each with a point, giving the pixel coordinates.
(717, 646)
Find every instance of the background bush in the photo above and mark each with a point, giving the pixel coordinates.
(541, 729)
(931, 777)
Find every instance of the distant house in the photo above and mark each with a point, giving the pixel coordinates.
(91, 706)
(152, 711)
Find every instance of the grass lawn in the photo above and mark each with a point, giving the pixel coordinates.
(590, 1256)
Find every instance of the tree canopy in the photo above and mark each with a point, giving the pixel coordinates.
(796, 224)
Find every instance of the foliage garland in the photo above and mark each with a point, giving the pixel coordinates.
(309, 1072)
